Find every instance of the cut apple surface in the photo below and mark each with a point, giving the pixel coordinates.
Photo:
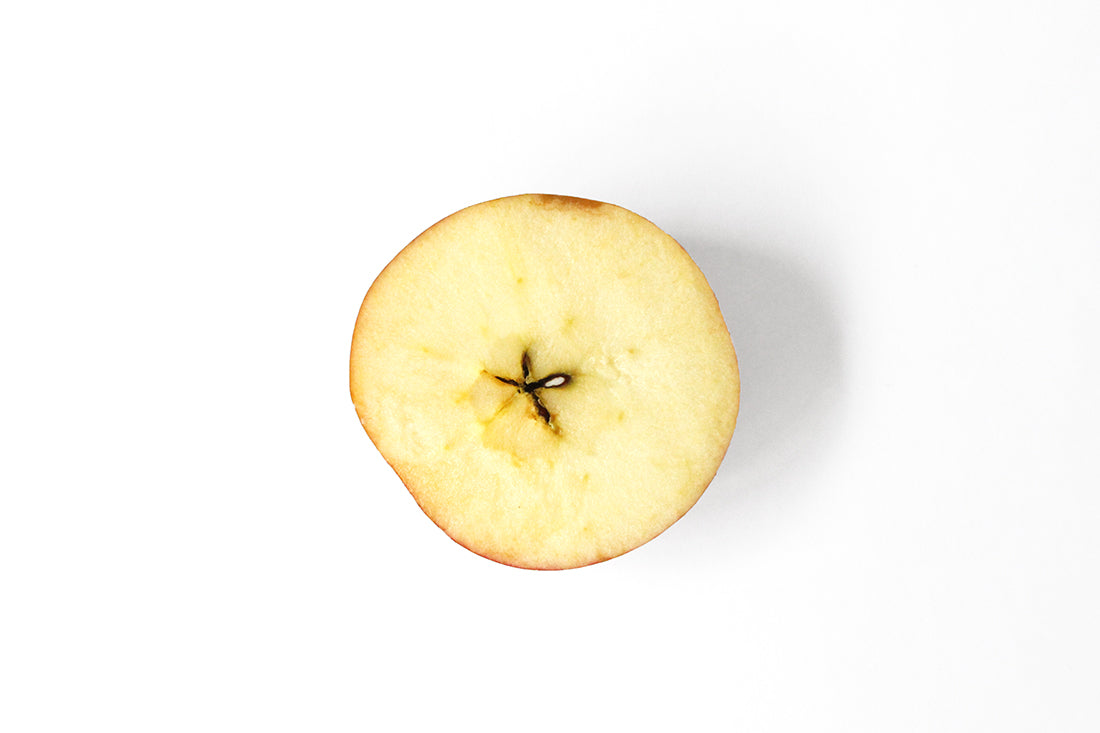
(550, 377)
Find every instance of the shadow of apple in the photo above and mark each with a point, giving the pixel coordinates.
(785, 327)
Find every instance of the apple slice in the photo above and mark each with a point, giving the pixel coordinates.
(549, 376)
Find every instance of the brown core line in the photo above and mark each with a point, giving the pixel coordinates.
(531, 387)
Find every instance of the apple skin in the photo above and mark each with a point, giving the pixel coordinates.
(417, 268)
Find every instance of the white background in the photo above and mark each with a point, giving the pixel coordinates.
(898, 205)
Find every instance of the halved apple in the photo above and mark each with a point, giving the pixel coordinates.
(550, 377)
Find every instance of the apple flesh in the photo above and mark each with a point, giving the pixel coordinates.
(550, 377)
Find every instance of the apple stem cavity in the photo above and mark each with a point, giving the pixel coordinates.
(527, 386)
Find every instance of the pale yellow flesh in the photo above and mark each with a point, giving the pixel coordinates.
(591, 290)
